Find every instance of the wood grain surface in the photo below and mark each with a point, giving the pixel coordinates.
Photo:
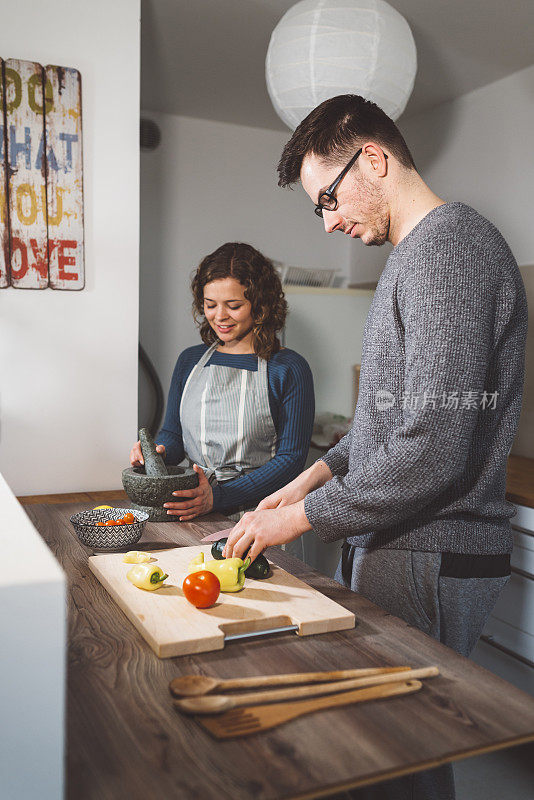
(124, 738)
(95, 498)
(520, 480)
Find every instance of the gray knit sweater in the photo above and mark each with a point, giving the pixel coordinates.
(424, 464)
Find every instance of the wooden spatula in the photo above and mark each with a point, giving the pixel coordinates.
(245, 721)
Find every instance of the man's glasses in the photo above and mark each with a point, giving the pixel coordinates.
(327, 199)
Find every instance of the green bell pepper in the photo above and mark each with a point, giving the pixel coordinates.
(259, 569)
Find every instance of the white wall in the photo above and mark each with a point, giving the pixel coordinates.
(68, 360)
(326, 327)
(475, 149)
(210, 183)
(478, 149)
(32, 664)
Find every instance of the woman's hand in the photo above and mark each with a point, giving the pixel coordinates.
(259, 529)
(195, 501)
(136, 454)
(315, 476)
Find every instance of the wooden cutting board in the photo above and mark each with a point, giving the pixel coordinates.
(173, 627)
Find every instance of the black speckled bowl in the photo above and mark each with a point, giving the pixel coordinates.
(148, 493)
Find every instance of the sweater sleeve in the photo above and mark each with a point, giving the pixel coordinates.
(337, 458)
(294, 430)
(170, 434)
(447, 306)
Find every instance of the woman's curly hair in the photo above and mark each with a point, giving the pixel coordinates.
(263, 289)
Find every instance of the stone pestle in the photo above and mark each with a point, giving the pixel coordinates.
(154, 463)
(151, 486)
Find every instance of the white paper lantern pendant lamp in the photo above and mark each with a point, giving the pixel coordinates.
(323, 48)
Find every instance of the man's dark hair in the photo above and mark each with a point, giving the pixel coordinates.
(335, 129)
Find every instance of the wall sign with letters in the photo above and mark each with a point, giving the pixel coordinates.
(41, 177)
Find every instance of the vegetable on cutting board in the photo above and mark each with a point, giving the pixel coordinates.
(146, 576)
(259, 569)
(201, 588)
(230, 571)
(136, 557)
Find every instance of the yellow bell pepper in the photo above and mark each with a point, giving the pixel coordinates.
(136, 557)
(230, 571)
(146, 576)
(193, 564)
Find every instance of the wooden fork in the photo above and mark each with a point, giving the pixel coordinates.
(253, 719)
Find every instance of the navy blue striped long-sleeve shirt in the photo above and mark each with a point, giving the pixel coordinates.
(292, 404)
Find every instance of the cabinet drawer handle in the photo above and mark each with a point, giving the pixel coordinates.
(498, 646)
(523, 573)
(524, 531)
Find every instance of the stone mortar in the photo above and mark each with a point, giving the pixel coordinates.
(148, 493)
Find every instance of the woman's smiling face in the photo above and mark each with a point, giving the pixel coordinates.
(228, 311)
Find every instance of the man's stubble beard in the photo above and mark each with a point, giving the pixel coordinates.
(375, 208)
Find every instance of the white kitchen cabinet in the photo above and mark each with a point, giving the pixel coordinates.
(510, 628)
(33, 631)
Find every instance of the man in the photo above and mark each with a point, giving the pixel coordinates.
(417, 487)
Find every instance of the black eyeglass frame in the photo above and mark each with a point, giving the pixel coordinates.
(329, 193)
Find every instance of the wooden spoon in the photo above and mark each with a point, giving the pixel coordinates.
(217, 703)
(196, 685)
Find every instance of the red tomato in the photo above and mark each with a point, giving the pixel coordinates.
(129, 517)
(201, 588)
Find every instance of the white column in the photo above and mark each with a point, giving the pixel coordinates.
(32, 659)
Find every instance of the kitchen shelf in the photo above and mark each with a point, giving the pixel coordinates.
(332, 290)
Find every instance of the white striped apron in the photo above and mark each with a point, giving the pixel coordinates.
(227, 425)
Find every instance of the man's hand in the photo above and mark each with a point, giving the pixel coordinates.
(260, 529)
(316, 475)
(195, 501)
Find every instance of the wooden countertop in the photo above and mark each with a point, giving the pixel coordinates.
(124, 739)
(520, 480)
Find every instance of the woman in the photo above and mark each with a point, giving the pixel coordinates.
(240, 407)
